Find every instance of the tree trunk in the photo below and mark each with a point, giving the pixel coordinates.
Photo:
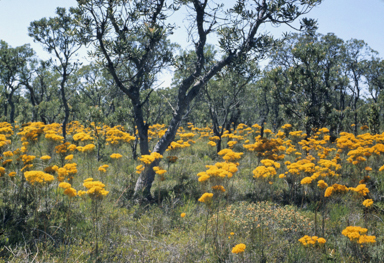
(235, 116)
(12, 104)
(43, 119)
(65, 102)
(6, 109)
(185, 96)
(33, 102)
(12, 114)
(146, 178)
(34, 115)
(134, 148)
(218, 145)
(141, 127)
(355, 113)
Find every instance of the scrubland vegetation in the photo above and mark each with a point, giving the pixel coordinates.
(282, 197)
(229, 161)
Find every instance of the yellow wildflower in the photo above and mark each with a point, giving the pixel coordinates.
(368, 202)
(38, 177)
(218, 188)
(64, 185)
(69, 157)
(158, 170)
(70, 192)
(95, 188)
(206, 198)
(321, 240)
(116, 156)
(139, 169)
(306, 180)
(321, 184)
(361, 189)
(239, 248)
(8, 154)
(212, 143)
(358, 234)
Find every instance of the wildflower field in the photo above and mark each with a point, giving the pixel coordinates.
(265, 197)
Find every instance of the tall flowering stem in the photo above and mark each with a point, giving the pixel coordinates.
(207, 199)
(160, 173)
(96, 191)
(217, 176)
(70, 193)
(38, 179)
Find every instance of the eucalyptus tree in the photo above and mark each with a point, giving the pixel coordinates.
(374, 76)
(130, 40)
(306, 75)
(224, 95)
(260, 106)
(41, 83)
(96, 90)
(13, 63)
(131, 37)
(58, 35)
(196, 112)
(357, 53)
(335, 79)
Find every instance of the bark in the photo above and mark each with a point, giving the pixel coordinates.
(235, 116)
(218, 145)
(12, 114)
(357, 97)
(216, 125)
(33, 102)
(134, 149)
(43, 119)
(12, 105)
(134, 144)
(65, 103)
(6, 108)
(141, 127)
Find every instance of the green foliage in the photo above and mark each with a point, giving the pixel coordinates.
(311, 81)
(13, 65)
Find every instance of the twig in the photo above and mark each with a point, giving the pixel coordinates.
(170, 105)
(37, 252)
(46, 234)
(10, 250)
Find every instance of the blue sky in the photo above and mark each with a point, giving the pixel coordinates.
(360, 19)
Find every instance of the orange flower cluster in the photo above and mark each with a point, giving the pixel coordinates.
(68, 190)
(266, 171)
(116, 136)
(360, 189)
(311, 241)
(334, 189)
(95, 189)
(358, 234)
(219, 170)
(267, 148)
(38, 177)
(65, 172)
